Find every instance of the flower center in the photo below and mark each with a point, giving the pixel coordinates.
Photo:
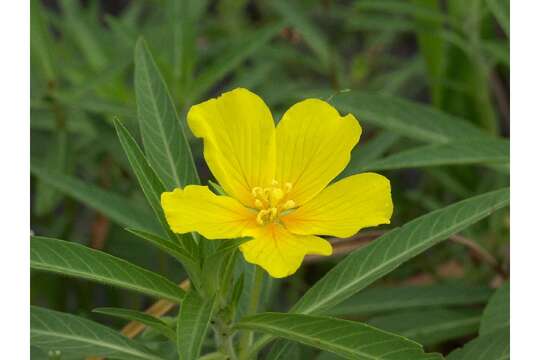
(272, 201)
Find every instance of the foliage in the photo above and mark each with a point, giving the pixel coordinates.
(111, 83)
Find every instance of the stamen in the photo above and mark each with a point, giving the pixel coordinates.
(276, 195)
(287, 187)
(272, 202)
(257, 191)
(289, 204)
(259, 218)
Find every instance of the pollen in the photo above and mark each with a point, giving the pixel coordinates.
(270, 202)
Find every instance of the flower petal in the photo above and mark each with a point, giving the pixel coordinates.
(239, 141)
(313, 145)
(345, 207)
(280, 252)
(196, 208)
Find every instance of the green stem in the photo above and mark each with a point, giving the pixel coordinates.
(224, 338)
(259, 344)
(246, 339)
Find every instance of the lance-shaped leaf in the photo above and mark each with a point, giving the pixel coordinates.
(352, 340)
(453, 153)
(40, 41)
(71, 259)
(114, 206)
(385, 299)
(153, 188)
(170, 247)
(430, 326)
(367, 264)
(72, 335)
(151, 185)
(47, 197)
(298, 18)
(495, 346)
(497, 312)
(501, 11)
(232, 58)
(365, 153)
(494, 339)
(193, 321)
(184, 18)
(140, 317)
(406, 118)
(165, 141)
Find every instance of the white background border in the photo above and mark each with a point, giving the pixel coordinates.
(525, 179)
(525, 165)
(15, 179)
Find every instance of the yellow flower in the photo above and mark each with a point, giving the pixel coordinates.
(276, 180)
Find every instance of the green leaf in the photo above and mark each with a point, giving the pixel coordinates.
(497, 312)
(170, 247)
(140, 317)
(367, 264)
(501, 11)
(363, 153)
(40, 40)
(217, 266)
(114, 70)
(231, 59)
(494, 340)
(53, 330)
(153, 188)
(296, 17)
(378, 22)
(184, 17)
(430, 327)
(418, 9)
(151, 185)
(349, 339)
(193, 321)
(407, 118)
(164, 138)
(71, 259)
(228, 245)
(496, 346)
(382, 299)
(116, 207)
(83, 35)
(497, 51)
(47, 197)
(432, 46)
(453, 153)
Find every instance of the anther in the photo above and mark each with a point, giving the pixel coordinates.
(260, 216)
(287, 187)
(256, 191)
(289, 204)
(277, 194)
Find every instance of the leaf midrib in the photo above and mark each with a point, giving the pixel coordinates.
(281, 330)
(442, 326)
(374, 270)
(160, 125)
(109, 280)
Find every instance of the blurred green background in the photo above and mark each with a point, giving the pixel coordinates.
(452, 56)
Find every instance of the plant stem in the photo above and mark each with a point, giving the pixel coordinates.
(259, 344)
(246, 339)
(224, 338)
